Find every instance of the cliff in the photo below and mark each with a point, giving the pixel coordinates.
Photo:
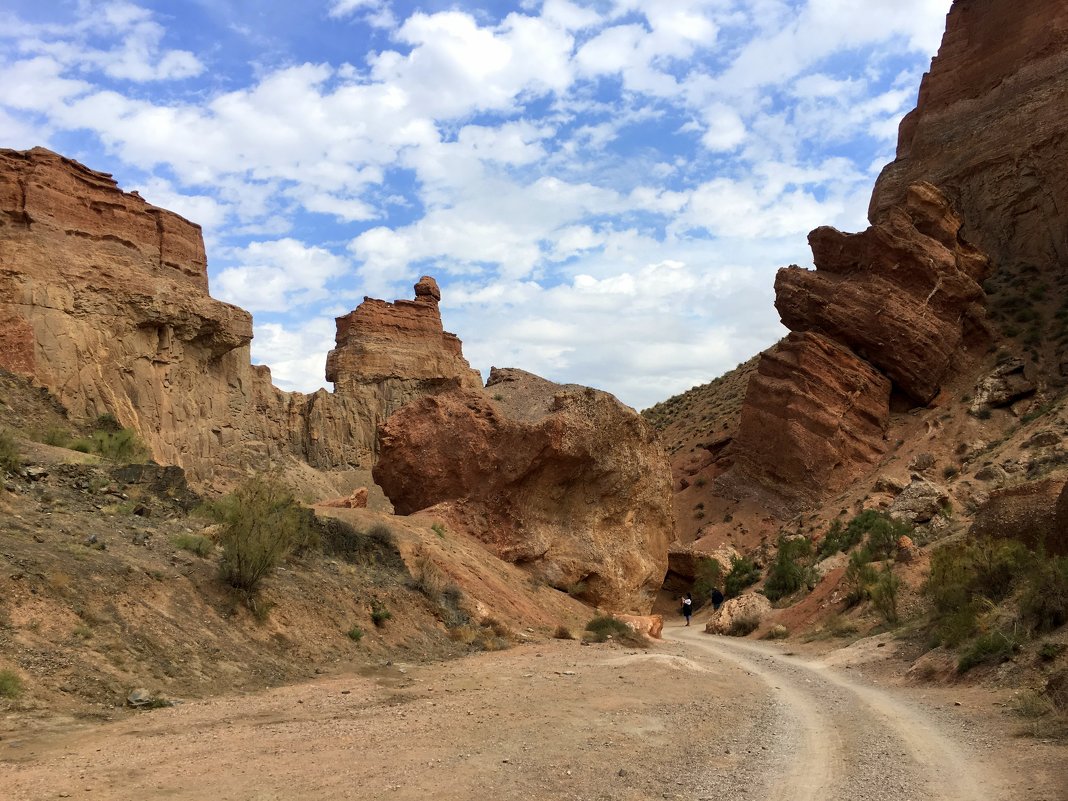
(104, 300)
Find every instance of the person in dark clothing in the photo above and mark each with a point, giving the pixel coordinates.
(716, 597)
(687, 608)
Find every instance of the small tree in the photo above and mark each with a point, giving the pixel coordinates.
(262, 525)
(791, 571)
(709, 574)
(744, 573)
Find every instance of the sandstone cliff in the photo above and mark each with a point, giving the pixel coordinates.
(104, 300)
(563, 480)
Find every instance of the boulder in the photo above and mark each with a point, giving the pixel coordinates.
(649, 625)
(563, 480)
(748, 610)
(992, 473)
(357, 500)
(920, 501)
(831, 563)
(907, 551)
(1003, 386)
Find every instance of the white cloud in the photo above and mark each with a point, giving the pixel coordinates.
(296, 354)
(278, 275)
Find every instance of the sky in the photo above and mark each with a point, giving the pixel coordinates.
(603, 189)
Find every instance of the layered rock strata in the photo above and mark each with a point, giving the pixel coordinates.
(990, 130)
(813, 421)
(563, 480)
(104, 300)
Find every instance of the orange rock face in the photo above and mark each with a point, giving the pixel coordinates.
(904, 294)
(812, 422)
(990, 131)
(563, 480)
(104, 300)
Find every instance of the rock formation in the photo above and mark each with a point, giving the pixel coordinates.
(905, 294)
(563, 480)
(989, 130)
(813, 421)
(104, 300)
(1035, 513)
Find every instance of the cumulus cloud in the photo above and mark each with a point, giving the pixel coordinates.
(278, 275)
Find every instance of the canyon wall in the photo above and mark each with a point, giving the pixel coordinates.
(104, 300)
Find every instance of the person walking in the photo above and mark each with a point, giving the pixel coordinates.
(687, 608)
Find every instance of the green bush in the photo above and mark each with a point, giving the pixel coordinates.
(262, 524)
(379, 613)
(839, 538)
(994, 647)
(859, 578)
(119, 446)
(10, 461)
(355, 634)
(743, 626)
(884, 594)
(792, 569)
(708, 574)
(10, 684)
(56, 437)
(603, 627)
(743, 573)
(1044, 600)
(194, 543)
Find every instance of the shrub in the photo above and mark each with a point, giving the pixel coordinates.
(743, 573)
(9, 454)
(858, 579)
(194, 543)
(438, 529)
(107, 422)
(10, 684)
(379, 613)
(563, 633)
(119, 446)
(708, 574)
(838, 538)
(355, 634)
(1044, 601)
(604, 627)
(791, 571)
(375, 547)
(262, 524)
(743, 626)
(56, 437)
(884, 594)
(994, 647)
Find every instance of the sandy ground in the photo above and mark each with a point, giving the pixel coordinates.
(695, 717)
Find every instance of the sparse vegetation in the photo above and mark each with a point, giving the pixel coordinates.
(563, 633)
(709, 574)
(792, 569)
(743, 573)
(438, 529)
(355, 634)
(262, 524)
(10, 460)
(604, 627)
(743, 626)
(993, 647)
(379, 613)
(10, 684)
(194, 543)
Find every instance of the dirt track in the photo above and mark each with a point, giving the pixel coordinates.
(694, 718)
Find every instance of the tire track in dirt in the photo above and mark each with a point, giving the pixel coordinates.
(839, 739)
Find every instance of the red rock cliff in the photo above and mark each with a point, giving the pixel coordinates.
(104, 300)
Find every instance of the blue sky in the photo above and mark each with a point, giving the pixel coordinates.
(603, 188)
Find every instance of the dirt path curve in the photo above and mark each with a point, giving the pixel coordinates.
(839, 738)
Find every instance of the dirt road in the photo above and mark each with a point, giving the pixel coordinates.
(693, 718)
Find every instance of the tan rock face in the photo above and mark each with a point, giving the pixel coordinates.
(104, 301)
(563, 480)
(812, 422)
(904, 294)
(1035, 513)
(748, 608)
(989, 130)
(390, 353)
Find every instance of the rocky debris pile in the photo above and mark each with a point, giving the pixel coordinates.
(563, 480)
(919, 502)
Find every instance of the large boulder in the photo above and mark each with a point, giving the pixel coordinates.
(920, 501)
(746, 611)
(563, 480)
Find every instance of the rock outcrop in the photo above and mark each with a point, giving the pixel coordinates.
(813, 421)
(905, 294)
(104, 300)
(562, 480)
(1035, 513)
(739, 616)
(989, 130)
